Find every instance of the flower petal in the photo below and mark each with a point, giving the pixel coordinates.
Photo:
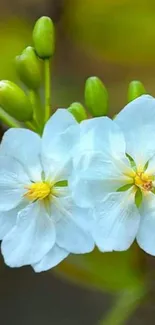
(51, 259)
(117, 222)
(102, 134)
(151, 166)
(72, 226)
(136, 121)
(146, 233)
(136, 113)
(31, 238)
(8, 219)
(12, 182)
(59, 138)
(23, 145)
(94, 177)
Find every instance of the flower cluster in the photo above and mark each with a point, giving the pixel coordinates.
(78, 185)
(69, 182)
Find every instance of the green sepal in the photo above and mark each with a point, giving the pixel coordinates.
(78, 111)
(44, 37)
(14, 101)
(96, 97)
(135, 89)
(138, 197)
(153, 190)
(28, 68)
(63, 183)
(132, 162)
(124, 188)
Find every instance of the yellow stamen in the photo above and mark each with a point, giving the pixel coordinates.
(38, 191)
(143, 181)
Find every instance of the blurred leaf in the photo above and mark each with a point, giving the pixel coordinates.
(15, 34)
(121, 30)
(105, 271)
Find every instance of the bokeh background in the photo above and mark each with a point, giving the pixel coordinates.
(115, 40)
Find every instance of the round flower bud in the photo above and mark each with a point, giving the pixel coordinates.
(28, 68)
(78, 111)
(14, 101)
(96, 97)
(44, 38)
(136, 89)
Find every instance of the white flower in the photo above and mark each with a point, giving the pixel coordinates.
(39, 222)
(114, 173)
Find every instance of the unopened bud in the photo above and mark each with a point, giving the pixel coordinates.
(28, 68)
(96, 97)
(78, 111)
(136, 89)
(44, 37)
(14, 101)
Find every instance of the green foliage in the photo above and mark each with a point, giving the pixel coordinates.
(14, 35)
(106, 271)
(119, 31)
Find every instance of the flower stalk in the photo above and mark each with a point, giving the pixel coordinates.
(47, 89)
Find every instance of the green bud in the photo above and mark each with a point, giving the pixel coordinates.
(44, 37)
(96, 97)
(136, 89)
(28, 68)
(78, 111)
(14, 101)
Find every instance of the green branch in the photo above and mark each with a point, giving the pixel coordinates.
(124, 307)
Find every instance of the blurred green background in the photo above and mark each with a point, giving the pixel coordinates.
(115, 40)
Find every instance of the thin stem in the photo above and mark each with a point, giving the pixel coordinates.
(125, 306)
(38, 117)
(8, 120)
(31, 126)
(47, 89)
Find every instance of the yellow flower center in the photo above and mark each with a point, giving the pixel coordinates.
(38, 191)
(143, 181)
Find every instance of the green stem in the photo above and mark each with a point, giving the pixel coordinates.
(47, 89)
(30, 125)
(38, 117)
(125, 306)
(8, 120)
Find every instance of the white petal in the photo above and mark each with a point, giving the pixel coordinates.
(117, 222)
(8, 219)
(31, 238)
(140, 144)
(25, 146)
(59, 139)
(137, 121)
(51, 259)
(72, 232)
(146, 233)
(151, 166)
(94, 177)
(136, 113)
(103, 134)
(12, 183)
